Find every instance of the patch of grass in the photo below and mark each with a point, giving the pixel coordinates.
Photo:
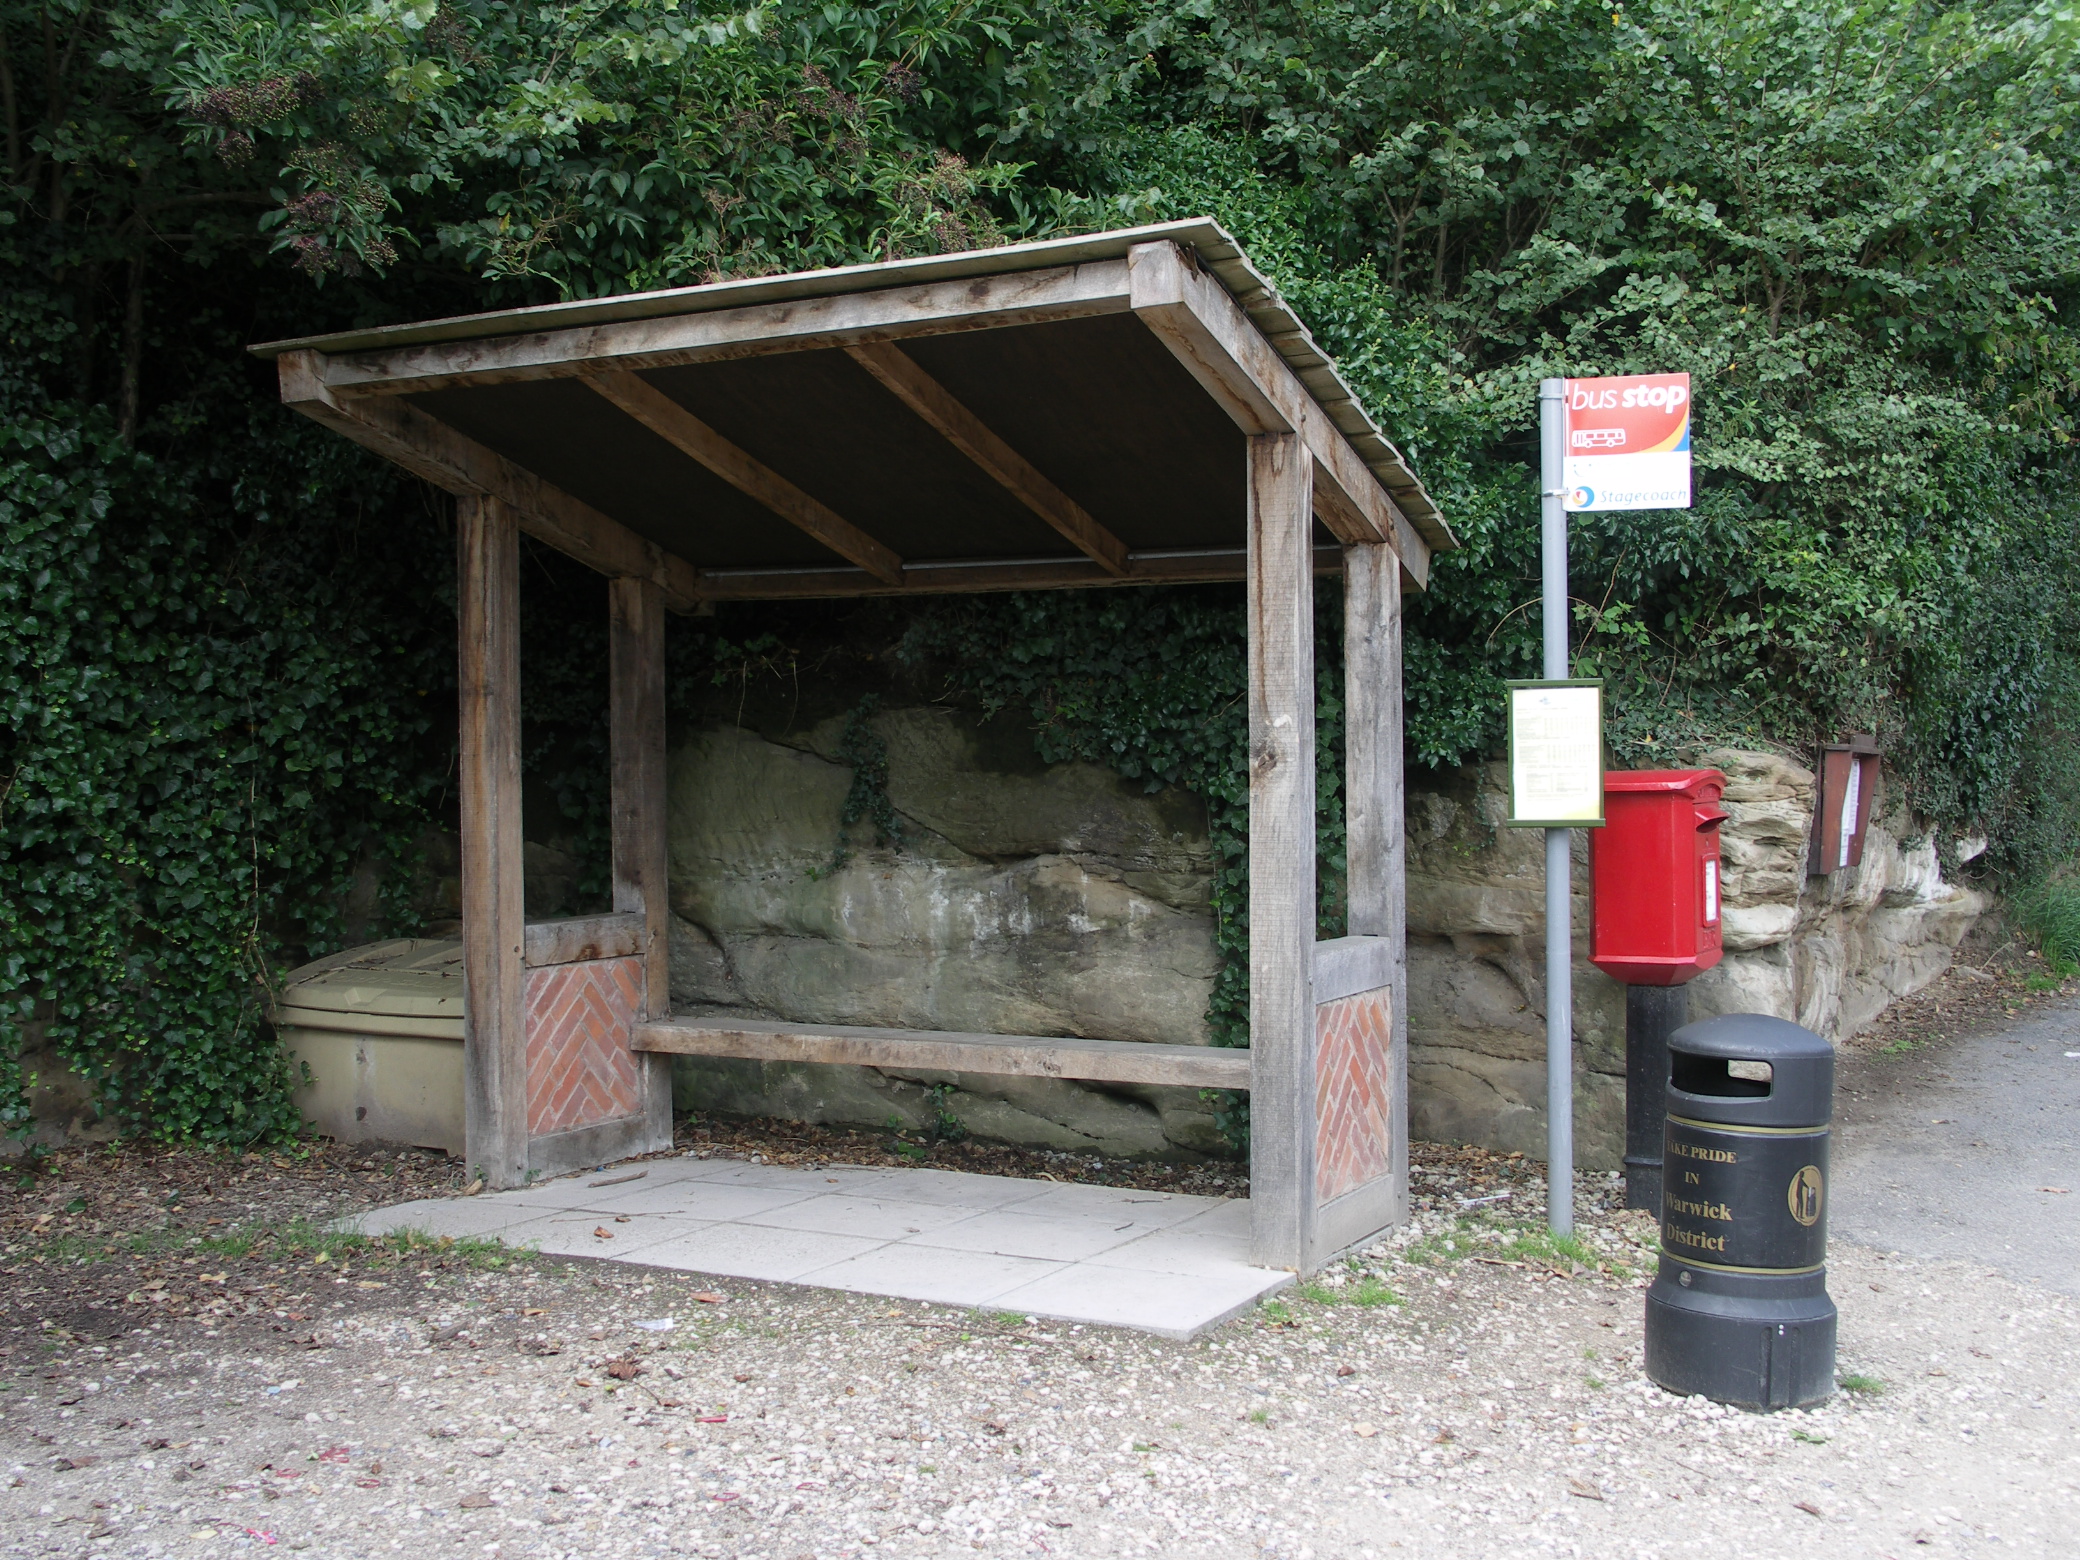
(1260, 1416)
(1276, 1311)
(1596, 1383)
(2049, 910)
(1367, 1291)
(1808, 1437)
(1866, 1386)
(1530, 1244)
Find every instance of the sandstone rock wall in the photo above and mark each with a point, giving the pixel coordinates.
(1830, 952)
(1029, 899)
(1021, 899)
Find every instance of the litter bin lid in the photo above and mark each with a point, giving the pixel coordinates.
(1713, 1072)
(408, 977)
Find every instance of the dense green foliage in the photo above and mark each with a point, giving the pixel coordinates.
(225, 638)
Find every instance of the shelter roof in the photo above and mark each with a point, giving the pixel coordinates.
(1057, 413)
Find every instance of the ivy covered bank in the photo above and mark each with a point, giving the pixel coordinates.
(226, 640)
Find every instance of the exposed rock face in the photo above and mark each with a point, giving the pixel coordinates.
(1830, 952)
(1021, 899)
(1029, 899)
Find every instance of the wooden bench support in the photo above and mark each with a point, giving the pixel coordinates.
(1025, 1056)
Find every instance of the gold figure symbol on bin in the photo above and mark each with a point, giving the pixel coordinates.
(1804, 1195)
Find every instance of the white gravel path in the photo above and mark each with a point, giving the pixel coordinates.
(1498, 1411)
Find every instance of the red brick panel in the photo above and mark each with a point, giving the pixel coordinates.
(580, 1071)
(1353, 1081)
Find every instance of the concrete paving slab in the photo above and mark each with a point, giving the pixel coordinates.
(925, 1273)
(959, 1188)
(1159, 1261)
(752, 1251)
(734, 1172)
(575, 1233)
(705, 1199)
(1011, 1232)
(1163, 1303)
(1228, 1216)
(882, 1218)
(1180, 1252)
(1150, 1209)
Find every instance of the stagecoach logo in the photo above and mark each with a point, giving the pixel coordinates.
(1804, 1195)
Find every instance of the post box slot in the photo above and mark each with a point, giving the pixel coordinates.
(1716, 1075)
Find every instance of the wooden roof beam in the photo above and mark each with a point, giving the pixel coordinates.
(754, 330)
(945, 577)
(458, 464)
(750, 476)
(1208, 332)
(933, 402)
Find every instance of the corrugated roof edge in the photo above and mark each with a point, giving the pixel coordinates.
(1215, 246)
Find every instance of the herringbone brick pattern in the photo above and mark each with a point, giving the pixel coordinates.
(580, 1070)
(1353, 1091)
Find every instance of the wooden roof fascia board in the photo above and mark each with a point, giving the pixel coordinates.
(1274, 317)
(1218, 344)
(874, 276)
(933, 402)
(671, 341)
(1214, 246)
(968, 577)
(685, 432)
(454, 462)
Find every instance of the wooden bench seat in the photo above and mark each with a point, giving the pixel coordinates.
(1026, 1056)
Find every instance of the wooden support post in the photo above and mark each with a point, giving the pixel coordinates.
(487, 547)
(1281, 852)
(636, 742)
(1373, 811)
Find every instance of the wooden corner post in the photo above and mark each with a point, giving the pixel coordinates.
(637, 741)
(1374, 813)
(487, 548)
(1281, 852)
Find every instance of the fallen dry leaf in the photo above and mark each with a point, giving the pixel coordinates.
(1366, 1432)
(2057, 1191)
(476, 1500)
(708, 1297)
(1808, 1508)
(624, 1368)
(604, 1233)
(1584, 1489)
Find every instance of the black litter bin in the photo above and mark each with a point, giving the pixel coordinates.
(1739, 1310)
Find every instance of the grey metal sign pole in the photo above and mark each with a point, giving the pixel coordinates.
(1552, 445)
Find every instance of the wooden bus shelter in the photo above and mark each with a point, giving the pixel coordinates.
(1126, 408)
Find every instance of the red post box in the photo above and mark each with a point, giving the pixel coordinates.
(1654, 874)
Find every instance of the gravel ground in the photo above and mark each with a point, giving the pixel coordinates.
(190, 1363)
(1468, 1389)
